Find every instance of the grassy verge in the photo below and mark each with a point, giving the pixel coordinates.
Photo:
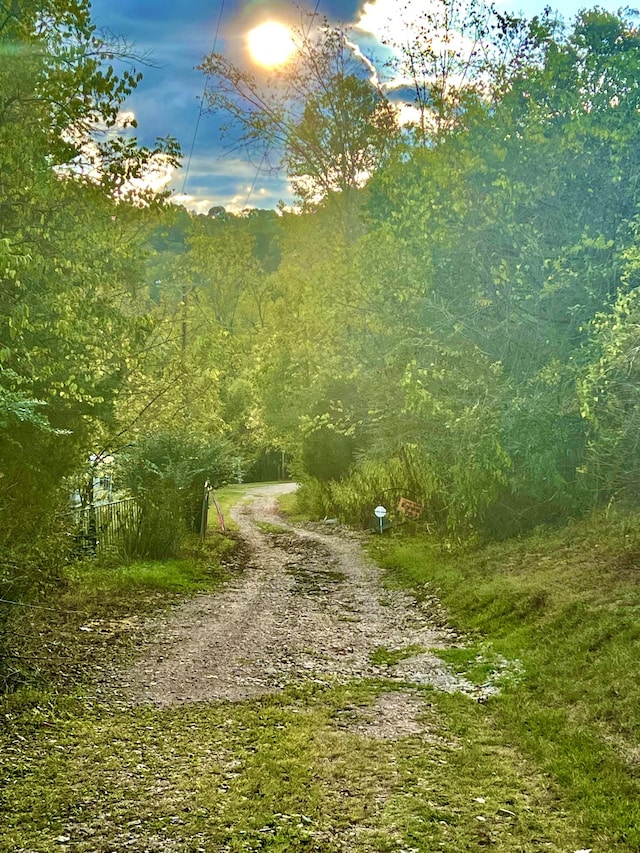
(288, 504)
(227, 497)
(299, 771)
(96, 613)
(547, 765)
(559, 611)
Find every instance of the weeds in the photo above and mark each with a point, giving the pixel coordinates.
(280, 774)
(269, 528)
(390, 657)
(550, 763)
(97, 612)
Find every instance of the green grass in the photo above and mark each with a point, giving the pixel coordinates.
(389, 657)
(227, 497)
(288, 504)
(563, 606)
(482, 665)
(96, 583)
(97, 613)
(550, 764)
(284, 773)
(269, 528)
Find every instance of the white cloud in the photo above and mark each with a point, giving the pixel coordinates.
(381, 19)
(423, 33)
(229, 182)
(424, 24)
(89, 163)
(408, 114)
(156, 177)
(124, 119)
(195, 203)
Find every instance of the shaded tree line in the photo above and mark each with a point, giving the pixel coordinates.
(83, 349)
(450, 313)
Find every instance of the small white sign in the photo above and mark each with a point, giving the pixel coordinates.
(380, 511)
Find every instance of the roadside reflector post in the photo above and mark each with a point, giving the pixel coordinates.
(380, 512)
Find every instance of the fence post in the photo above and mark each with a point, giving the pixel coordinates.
(204, 520)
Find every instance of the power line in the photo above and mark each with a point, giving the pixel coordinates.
(40, 607)
(201, 109)
(255, 178)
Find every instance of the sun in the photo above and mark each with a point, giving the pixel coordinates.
(271, 44)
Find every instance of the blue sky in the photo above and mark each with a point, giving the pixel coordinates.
(175, 36)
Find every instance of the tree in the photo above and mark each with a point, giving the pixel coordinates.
(320, 117)
(228, 278)
(454, 61)
(609, 390)
(486, 258)
(69, 252)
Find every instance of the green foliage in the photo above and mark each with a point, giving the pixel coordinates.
(460, 329)
(451, 313)
(71, 229)
(609, 393)
(465, 304)
(166, 472)
(327, 454)
(374, 481)
(313, 499)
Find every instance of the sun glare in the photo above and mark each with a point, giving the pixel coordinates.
(271, 44)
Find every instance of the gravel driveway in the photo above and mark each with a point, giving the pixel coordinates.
(308, 606)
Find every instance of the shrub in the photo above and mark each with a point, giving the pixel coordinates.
(166, 473)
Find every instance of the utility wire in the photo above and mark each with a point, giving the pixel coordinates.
(201, 109)
(40, 607)
(255, 178)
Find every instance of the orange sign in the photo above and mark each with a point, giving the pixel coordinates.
(410, 509)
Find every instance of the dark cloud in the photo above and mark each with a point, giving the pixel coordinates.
(175, 36)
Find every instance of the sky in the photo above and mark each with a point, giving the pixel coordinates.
(173, 37)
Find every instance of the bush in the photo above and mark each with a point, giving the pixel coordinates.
(353, 498)
(166, 473)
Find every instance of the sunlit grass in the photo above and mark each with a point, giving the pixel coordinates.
(283, 773)
(227, 496)
(289, 507)
(564, 606)
(548, 764)
(91, 581)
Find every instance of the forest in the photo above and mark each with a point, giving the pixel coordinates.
(450, 311)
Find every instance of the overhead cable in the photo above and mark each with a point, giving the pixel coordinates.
(201, 109)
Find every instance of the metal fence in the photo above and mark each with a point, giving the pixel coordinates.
(104, 528)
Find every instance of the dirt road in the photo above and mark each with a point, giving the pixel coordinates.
(309, 606)
(290, 711)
